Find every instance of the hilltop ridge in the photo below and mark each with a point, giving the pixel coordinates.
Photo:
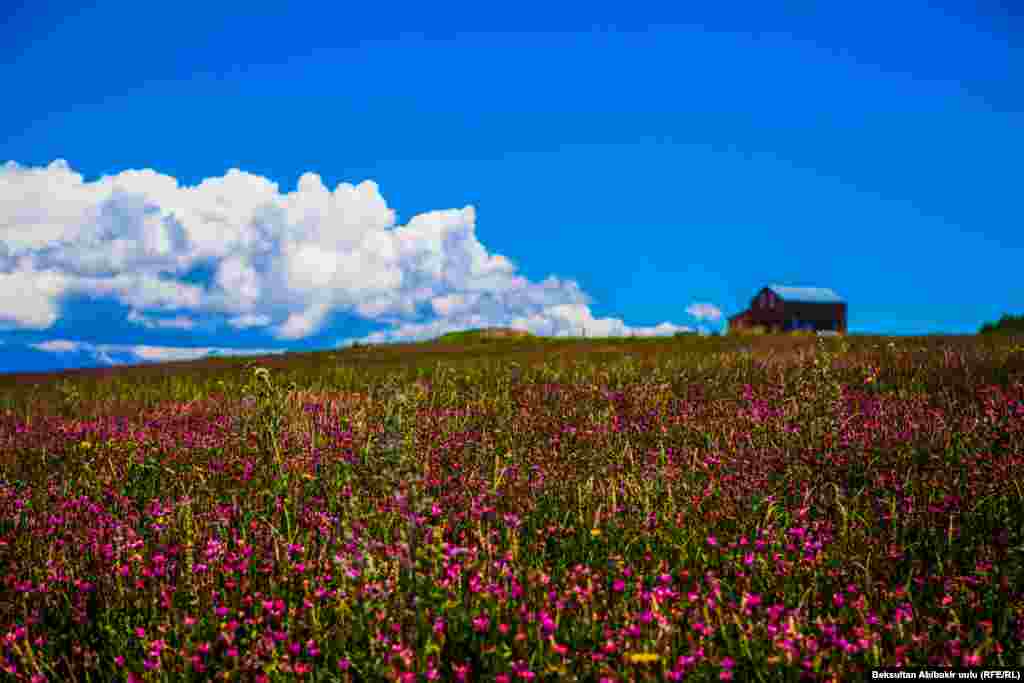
(483, 334)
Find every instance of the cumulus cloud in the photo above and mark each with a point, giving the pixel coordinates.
(28, 297)
(279, 261)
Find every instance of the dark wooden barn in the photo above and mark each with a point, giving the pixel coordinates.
(785, 309)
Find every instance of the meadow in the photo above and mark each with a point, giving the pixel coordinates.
(698, 508)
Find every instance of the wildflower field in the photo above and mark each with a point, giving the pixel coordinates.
(591, 510)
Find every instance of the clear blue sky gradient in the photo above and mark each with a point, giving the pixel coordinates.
(656, 154)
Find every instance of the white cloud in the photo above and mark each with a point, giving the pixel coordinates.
(57, 346)
(29, 297)
(453, 304)
(242, 322)
(285, 261)
(142, 353)
(158, 354)
(179, 322)
(303, 323)
(704, 311)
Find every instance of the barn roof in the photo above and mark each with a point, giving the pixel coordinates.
(815, 295)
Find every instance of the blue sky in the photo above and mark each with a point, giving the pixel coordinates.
(243, 177)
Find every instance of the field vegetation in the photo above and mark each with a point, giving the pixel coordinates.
(695, 508)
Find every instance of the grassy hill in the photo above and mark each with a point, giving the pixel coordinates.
(485, 334)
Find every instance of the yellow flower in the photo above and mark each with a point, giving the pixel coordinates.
(642, 657)
(595, 533)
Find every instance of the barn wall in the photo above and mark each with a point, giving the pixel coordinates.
(819, 316)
